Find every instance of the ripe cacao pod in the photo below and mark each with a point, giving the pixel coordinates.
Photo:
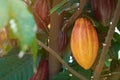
(84, 42)
(62, 41)
(41, 14)
(103, 10)
(42, 71)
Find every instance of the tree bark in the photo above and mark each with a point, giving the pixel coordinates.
(56, 22)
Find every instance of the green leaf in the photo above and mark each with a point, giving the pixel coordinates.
(115, 47)
(3, 13)
(58, 6)
(13, 68)
(22, 22)
(71, 4)
(34, 51)
(34, 48)
(107, 62)
(62, 76)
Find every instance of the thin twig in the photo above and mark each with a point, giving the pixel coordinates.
(74, 16)
(110, 74)
(53, 53)
(108, 39)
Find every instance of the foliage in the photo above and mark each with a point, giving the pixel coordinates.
(14, 68)
(17, 18)
(64, 6)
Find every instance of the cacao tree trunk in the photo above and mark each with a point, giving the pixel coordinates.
(56, 22)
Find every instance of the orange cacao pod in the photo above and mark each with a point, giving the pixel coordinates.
(84, 42)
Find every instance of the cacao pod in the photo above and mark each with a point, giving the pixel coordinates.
(62, 41)
(84, 42)
(103, 10)
(42, 71)
(41, 14)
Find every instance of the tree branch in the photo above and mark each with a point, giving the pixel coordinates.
(53, 53)
(108, 39)
(74, 16)
(110, 74)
